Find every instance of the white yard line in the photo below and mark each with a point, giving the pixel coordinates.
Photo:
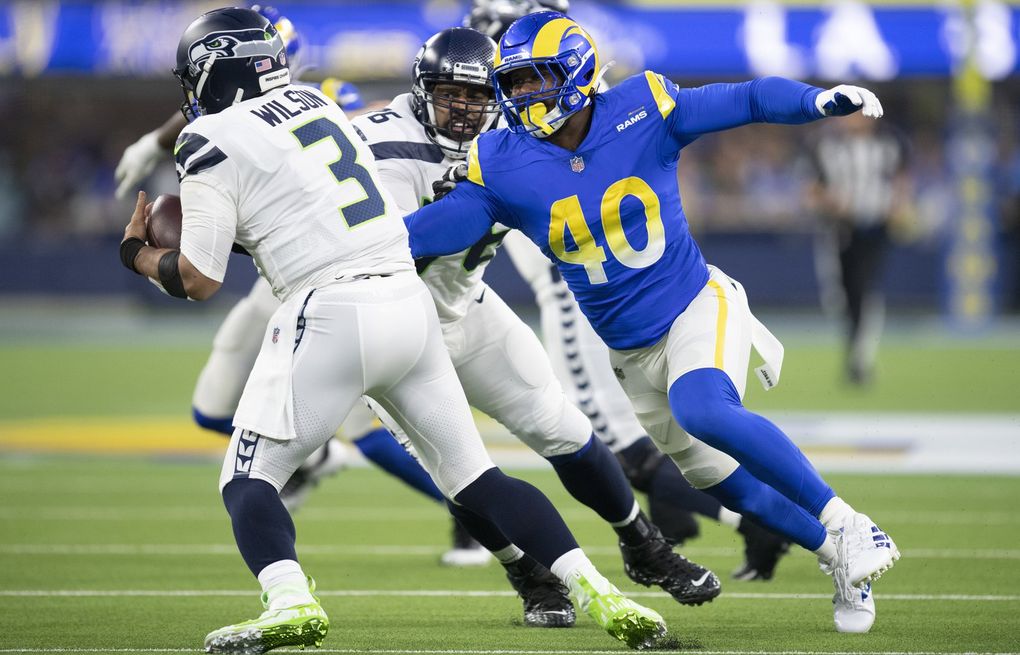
(366, 651)
(452, 593)
(397, 550)
(388, 514)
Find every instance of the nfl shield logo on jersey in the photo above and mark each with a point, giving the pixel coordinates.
(577, 164)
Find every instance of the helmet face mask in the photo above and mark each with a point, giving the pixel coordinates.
(226, 56)
(452, 95)
(546, 72)
(459, 112)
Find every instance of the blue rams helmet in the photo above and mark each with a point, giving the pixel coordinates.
(227, 56)
(562, 56)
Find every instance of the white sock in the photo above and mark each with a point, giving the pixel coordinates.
(573, 564)
(509, 554)
(728, 517)
(835, 513)
(827, 551)
(285, 584)
(634, 511)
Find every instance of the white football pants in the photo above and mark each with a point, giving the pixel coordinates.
(378, 337)
(506, 374)
(713, 332)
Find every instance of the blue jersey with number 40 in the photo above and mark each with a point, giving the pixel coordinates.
(609, 213)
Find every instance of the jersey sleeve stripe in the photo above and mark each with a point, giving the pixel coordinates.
(212, 157)
(425, 152)
(663, 100)
(187, 146)
(474, 165)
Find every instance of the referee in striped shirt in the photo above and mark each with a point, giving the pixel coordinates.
(860, 186)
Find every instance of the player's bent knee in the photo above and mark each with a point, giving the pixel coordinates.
(549, 424)
(702, 401)
(221, 425)
(704, 466)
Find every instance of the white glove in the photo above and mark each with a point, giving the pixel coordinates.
(845, 99)
(137, 162)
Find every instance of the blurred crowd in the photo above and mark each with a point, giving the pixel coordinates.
(60, 140)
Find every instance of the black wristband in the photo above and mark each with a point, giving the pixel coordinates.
(170, 274)
(129, 249)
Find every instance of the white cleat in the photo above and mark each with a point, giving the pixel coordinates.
(465, 551)
(853, 609)
(865, 550)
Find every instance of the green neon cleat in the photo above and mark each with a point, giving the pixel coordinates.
(637, 626)
(300, 625)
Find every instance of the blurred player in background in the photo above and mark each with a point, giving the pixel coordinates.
(239, 338)
(581, 362)
(501, 364)
(591, 179)
(259, 168)
(861, 187)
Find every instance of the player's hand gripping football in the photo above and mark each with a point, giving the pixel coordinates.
(137, 162)
(449, 181)
(845, 99)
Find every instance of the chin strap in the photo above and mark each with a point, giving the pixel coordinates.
(598, 77)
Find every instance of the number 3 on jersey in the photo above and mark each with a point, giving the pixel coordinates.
(566, 217)
(345, 167)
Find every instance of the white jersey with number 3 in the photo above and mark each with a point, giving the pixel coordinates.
(409, 162)
(286, 176)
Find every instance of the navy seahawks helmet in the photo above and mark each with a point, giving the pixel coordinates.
(458, 55)
(226, 56)
(493, 17)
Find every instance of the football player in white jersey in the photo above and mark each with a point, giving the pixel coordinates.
(581, 362)
(278, 169)
(239, 338)
(499, 360)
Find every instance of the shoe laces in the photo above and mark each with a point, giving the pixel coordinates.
(657, 555)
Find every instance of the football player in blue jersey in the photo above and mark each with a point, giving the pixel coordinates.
(591, 179)
(581, 362)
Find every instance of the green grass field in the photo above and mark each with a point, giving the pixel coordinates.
(128, 555)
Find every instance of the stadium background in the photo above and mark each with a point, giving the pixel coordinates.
(97, 368)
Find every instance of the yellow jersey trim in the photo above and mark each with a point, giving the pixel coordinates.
(662, 98)
(720, 323)
(474, 166)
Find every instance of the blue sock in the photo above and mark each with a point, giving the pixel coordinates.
(593, 476)
(521, 512)
(743, 493)
(706, 405)
(263, 529)
(223, 425)
(480, 528)
(384, 451)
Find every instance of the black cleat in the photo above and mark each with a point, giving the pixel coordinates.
(546, 601)
(762, 550)
(652, 561)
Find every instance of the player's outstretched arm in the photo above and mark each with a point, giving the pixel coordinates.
(141, 157)
(167, 267)
(715, 107)
(454, 223)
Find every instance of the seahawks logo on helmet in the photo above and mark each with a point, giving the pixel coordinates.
(236, 44)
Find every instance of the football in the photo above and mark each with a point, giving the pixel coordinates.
(163, 222)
